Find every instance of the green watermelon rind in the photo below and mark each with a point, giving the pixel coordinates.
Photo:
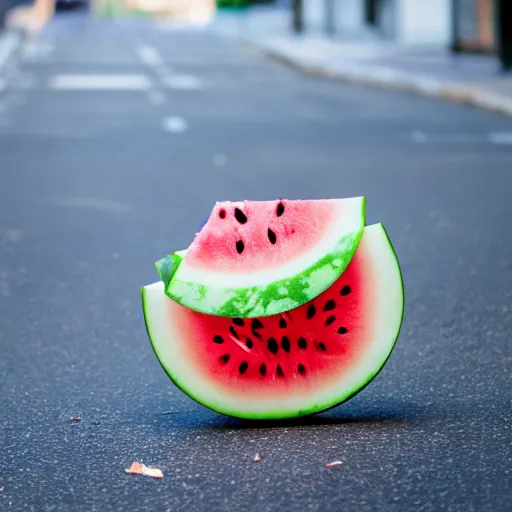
(313, 409)
(167, 267)
(275, 297)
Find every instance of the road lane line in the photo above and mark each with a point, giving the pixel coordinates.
(100, 82)
(183, 82)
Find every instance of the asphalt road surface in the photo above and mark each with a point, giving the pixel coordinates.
(97, 183)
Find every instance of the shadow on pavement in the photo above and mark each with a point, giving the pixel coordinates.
(360, 413)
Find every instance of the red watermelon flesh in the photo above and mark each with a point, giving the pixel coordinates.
(257, 235)
(262, 356)
(290, 364)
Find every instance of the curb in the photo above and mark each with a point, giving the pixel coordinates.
(389, 78)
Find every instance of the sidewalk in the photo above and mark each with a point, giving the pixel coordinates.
(469, 79)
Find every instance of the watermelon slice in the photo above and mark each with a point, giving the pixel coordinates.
(291, 364)
(260, 258)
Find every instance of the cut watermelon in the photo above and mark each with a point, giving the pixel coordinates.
(260, 258)
(292, 364)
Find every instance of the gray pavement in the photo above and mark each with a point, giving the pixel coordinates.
(97, 184)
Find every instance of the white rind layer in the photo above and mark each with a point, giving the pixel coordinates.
(386, 307)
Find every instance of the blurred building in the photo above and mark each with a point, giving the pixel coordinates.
(405, 21)
(462, 24)
(483, 26)
(183, 11)
(193, 11)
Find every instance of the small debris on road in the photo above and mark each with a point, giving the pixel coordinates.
(257, 458)
(137, 468)
(333, 464)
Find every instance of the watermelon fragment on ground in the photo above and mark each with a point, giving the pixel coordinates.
(137, 468)
(297, 362)
(261, 258)
(334, 464)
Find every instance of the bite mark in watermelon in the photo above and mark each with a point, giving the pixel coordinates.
(290, 364)
(260, 258)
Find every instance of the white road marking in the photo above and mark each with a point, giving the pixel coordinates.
(8, 43)
(183, 82)
(501, 138)
(156, 97)
(174, 124)
(100, 82)
(149, 56)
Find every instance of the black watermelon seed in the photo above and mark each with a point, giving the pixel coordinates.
(224, 359)
(279, 371)
(282, 323)
(240, 216)
(256, 324)
(272, 345)
(233, 332)
(263, 370)
(302, 343)
(280, 209)
(222, 214)
(321, 346)
(271, 236)
(243, 368)
(345, 290)
(342, 330)
(218, 339)
(311, 311)
(238, 321)
(330, 320)
(301, 369)
(256, 334)
(285, 344)
(249, 343)
(240, 247)
(330, 304)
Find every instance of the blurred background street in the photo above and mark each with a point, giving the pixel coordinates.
(120, 129)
